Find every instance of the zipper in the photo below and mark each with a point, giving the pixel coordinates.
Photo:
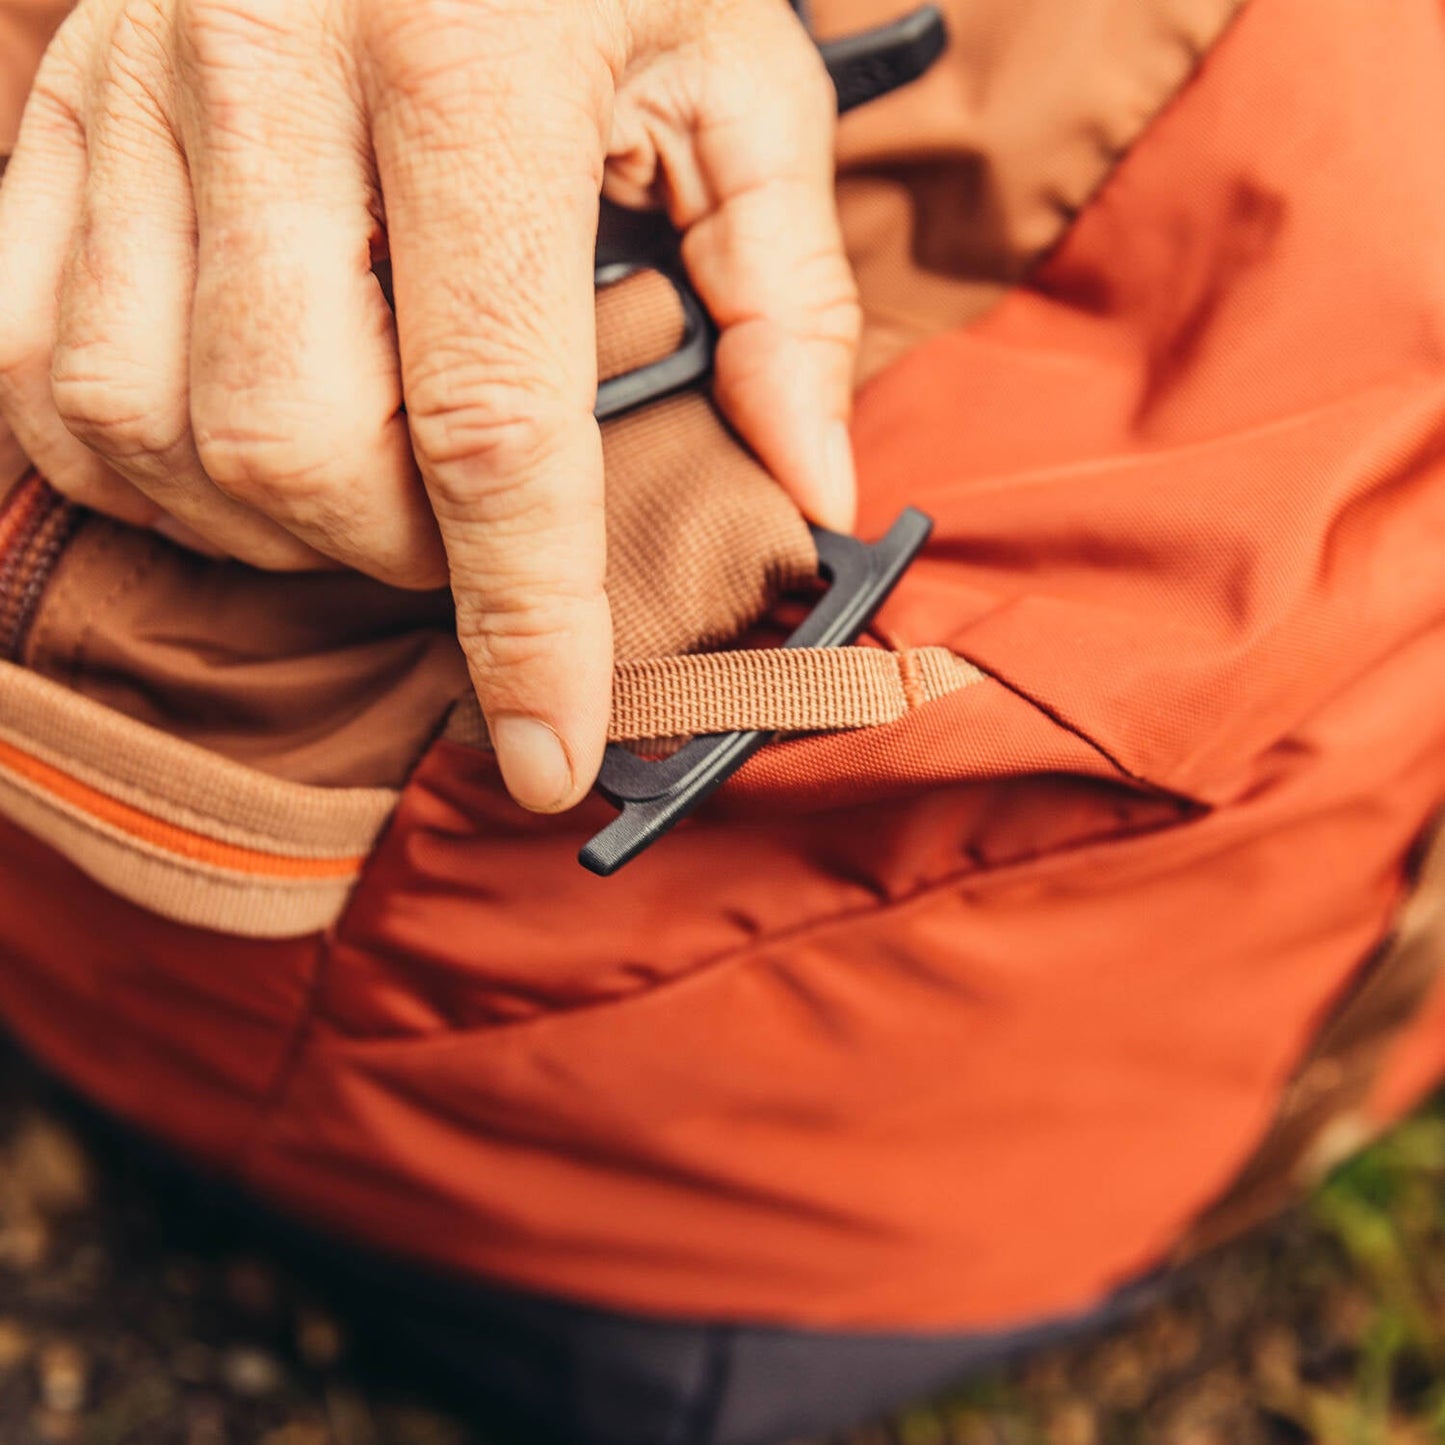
(36, 524)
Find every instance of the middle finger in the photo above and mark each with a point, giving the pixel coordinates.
(296, 389)
(119, 374)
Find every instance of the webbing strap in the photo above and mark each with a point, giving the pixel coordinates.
(786, 690)
(790, 690)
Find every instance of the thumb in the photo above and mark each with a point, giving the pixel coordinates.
(751, 189)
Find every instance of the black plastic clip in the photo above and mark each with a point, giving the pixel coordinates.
(688, 366)
(876, 63)
(656, 796)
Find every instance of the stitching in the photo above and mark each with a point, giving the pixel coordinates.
(909, 676)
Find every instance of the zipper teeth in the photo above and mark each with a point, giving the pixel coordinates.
(15, 511)
(35, 526)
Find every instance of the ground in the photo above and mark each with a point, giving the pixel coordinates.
(129, 1317)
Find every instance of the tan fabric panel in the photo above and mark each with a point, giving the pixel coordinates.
(700, 539)
(638, 320)
(187, 785)
(952, 188)
(328, 679)
(184, 892)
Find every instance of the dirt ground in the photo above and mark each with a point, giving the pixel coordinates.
(128, 1317)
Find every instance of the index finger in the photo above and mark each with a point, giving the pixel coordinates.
(489, 124)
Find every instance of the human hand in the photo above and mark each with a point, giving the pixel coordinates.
(192, 337)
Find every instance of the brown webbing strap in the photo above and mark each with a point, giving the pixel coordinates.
(787, 690)
(780, 690)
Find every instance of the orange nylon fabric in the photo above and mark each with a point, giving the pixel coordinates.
(951, 189)
(961, 1021)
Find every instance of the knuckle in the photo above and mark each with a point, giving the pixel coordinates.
(481, 447)
(431, 59)
(424, 38)
(275, 468)
(104, 405)
(135, 63)
(220, 33)
(513, 634)
(227, 53)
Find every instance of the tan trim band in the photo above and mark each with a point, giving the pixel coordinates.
(177, 830)
(164, 836)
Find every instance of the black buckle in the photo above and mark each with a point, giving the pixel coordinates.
(688, 366)
(868, 66)
(656, 796)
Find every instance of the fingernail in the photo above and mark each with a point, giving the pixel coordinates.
(533, 762)
(839, 504)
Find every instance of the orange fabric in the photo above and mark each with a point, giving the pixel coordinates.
(18, 506)
(983, 1044)
(960, 1021)
(184, 1031)
(160, 834)
(952, 188)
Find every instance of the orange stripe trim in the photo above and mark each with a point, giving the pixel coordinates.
(147, 828)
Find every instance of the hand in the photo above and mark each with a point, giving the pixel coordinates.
(191, 336)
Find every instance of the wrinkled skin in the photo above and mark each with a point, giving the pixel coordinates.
(192, 338)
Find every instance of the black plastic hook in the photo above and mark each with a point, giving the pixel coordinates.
(656, 796)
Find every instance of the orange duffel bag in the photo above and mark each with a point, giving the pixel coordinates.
(1081, 913)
